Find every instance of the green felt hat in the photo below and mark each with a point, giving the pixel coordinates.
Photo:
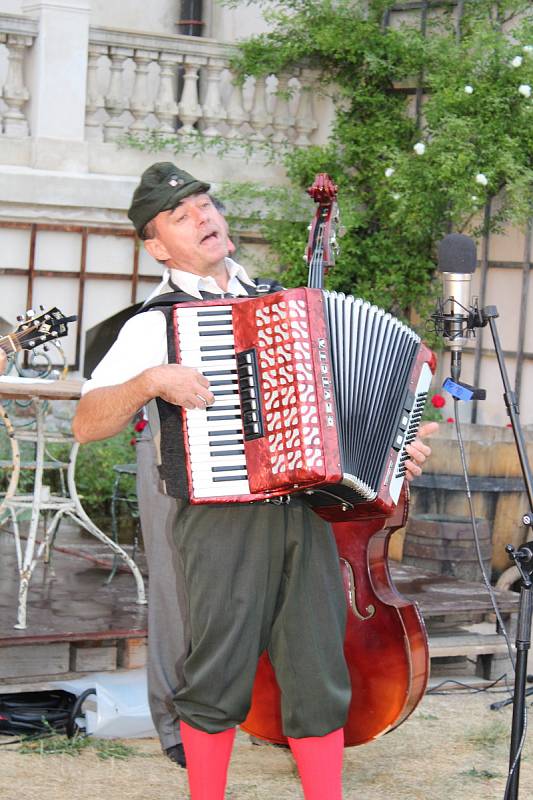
(162, 187)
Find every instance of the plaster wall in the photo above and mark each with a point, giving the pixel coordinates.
(161, 17)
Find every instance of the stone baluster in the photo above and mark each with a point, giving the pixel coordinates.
(282, 118)
(15, 94)
(259, 117)
(235, 113)
(166, 106)
(213, 111)
(3, 40)
(94, 130)
(190, 110)
(116, 100)
(140, 103)
(305, 122)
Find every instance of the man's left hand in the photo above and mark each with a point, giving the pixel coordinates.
(418, 451)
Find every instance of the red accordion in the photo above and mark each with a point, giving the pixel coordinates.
(315, 392)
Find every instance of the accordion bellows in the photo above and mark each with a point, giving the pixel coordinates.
(315, 392)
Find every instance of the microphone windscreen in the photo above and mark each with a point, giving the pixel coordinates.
(457, 253)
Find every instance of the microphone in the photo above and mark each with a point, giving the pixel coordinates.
(457, 261)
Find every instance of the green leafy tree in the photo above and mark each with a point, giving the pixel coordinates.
(406, 179)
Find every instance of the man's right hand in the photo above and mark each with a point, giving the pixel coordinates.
(181, 386)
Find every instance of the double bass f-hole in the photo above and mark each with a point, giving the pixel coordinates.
(352, 593)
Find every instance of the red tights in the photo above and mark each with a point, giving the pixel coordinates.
(318, 758)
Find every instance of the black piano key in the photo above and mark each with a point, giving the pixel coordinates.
(224, 433)
(216, 418)
(221, 332)
(230, 468)
(209, 348)
(228, 372)
(218, 453)
(226, 443)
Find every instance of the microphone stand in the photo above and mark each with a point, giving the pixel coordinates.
(523, 558)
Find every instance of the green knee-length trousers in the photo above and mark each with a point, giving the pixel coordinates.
(262, 576)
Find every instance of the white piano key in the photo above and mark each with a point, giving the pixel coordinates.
(193, 360)
(235, 460)
(193, 341)
(237, 471)
(222, 489)
(214, 424)
(214, 442)
(204, 450)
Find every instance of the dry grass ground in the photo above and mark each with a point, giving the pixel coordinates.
(453, 748)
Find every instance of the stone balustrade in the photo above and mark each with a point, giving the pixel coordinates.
(183, 85)
(17, 35)
(172, 85)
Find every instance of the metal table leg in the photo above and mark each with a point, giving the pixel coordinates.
(69, 505)
(80, 516)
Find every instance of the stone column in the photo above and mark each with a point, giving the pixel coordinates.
(58, 71)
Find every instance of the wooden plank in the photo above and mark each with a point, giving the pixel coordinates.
(93, 659)
(34, 659)
(469, 644)
(132, 653)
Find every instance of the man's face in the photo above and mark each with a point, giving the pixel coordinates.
(192, 237)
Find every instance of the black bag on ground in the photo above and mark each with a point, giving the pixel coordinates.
(31, 713)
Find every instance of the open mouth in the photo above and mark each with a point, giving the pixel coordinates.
(209, 237)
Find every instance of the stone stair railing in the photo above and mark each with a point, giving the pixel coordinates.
(184, 85)
(172, 85)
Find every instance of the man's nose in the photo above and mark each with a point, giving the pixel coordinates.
(201, 214)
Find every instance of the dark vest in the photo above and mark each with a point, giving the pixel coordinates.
(172, 469)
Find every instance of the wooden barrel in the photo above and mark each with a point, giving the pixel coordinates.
(496, 484)
(445, 545)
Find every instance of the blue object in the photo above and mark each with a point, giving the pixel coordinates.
(458, 390)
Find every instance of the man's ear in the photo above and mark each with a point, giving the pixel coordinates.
(156, 249)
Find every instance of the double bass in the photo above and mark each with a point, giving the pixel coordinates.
(386, 645)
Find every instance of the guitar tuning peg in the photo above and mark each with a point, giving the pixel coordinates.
(20, 318)
(30, 312)
(46, 348)
(41, 308)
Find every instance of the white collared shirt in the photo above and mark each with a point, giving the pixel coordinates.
(142, 341)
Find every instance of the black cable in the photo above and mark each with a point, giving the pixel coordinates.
(492, 596)
(469, 689)
(486, 579)
(72, 728)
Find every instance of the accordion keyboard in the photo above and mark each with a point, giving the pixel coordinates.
(215, 435)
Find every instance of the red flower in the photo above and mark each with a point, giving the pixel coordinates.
(140, 425)
(450, 419)
(133, 440)
(438, 401)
